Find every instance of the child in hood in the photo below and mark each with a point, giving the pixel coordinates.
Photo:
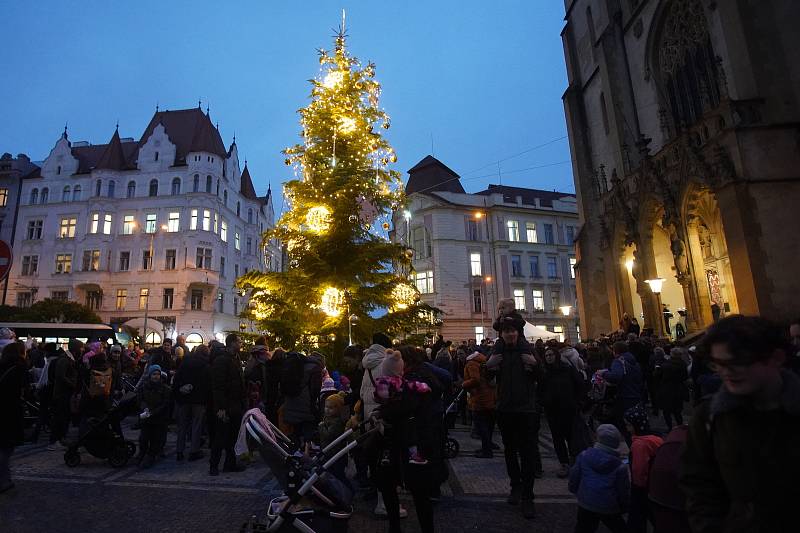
(331, 428)
(328, 389)
(155, 400)
(643, 449)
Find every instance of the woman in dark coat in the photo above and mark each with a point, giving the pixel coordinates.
(13, 381)
(671, 392)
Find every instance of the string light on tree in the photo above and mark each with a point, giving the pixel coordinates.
(404, 296)
(332, 302)
(318, 219)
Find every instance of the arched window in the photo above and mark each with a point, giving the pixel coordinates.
(153, 188)
(98, 187)
(131, 189)
(193, 340)
(238, 208)
(217, 187)
(112, 186)
(65, 195)
(196, 183)
(45, 195)
(225, 198)
(208, 184)
(176, 186)
(76, 193)
(250, 215)
(34, 196)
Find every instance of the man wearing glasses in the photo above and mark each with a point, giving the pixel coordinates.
(741, 464)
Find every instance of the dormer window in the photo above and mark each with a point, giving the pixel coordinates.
(112, 185)
(98, 187)
(156, 157)
(153, 188)
(196, 183)
(58, 169)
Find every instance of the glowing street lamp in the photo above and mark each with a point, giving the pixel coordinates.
(565, 310)
(655, 285)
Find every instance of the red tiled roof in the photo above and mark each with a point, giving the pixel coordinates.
(247, 189)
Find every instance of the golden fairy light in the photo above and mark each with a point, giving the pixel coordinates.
(404, 296)
(318, 219)
(347, 125)
(333, 79)
(332, 302)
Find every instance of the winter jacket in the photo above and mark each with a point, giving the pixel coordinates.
(65, 378)
(444, 361)
(156, 398)
(194, 371)
(671, 390)
(627, 376)
(571, 356)
(227, 385)
(663, 487)
(601, 482)
(516, 383)
(373, 357)
(740, 466)
(560, 387)
(13, 380)
(482, 393)
(159, 356)
(303, 407)
(643, 450)
(330, 429)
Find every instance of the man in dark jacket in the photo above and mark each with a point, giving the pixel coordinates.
(517, 373)
(191, 386)
(227, 390)
(626, 374)
(64, 378)
(162, 356)
(741, 462)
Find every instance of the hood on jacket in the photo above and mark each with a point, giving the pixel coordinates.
(477, 356)
(601, 461)
(373, 357)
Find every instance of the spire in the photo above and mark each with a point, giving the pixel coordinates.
(156, 107)
(199, 103)
(64, 135)
(234, 137)
(113, 157)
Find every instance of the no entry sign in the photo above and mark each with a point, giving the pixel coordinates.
(5, 259)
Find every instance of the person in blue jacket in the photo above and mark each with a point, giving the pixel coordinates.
(626, 375)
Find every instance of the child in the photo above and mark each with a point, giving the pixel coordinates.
(601, 483)
(391, 387)
(155, 399)
(331, 428)
(508, 314)
(643, 449)
(328, 389)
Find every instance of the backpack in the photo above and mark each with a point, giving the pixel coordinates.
(100, 383)
(292, 374)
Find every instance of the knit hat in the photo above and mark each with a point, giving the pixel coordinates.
(637, 417)
(393, 364)
(382, 339)
(153, 368)
(609, 439)
(344, 383)
(335, 400)
(327, 385)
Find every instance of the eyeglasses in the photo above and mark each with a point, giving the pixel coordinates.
(716, 364)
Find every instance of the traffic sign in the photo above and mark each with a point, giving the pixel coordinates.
(5, 259)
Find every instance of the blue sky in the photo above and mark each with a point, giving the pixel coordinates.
(483, 80)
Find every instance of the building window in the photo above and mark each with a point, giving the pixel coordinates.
(144, 296)
(538, 299)
(238, 208)
(477, 301)
(513, 230)
(249, 245)
(150, 223)
(472, 230)
(169, 298)
(91, 261)
(208, 184)
(94, 300)
(570, 234)
(61, 296)
(221, 302)
(237, 241)
(425, 282)
(555, 299)
(34, 230)
(216, 223)
(225, 198)
(516, 266)
(155, 157)
(475, 263)
(552, 267)
(530, 231)
(196, 183)
(203, 259)
(534, 262)
(24, 299)
(174, 221)
(572, 263)
(478, 334)
(176, 186)
(131, 189)
(250, 216)
(124, 261)
(519, 299)
(235, 305)
(122, 296)
(112, 186)
(107, 224)
(4, 195)
(67, 228)
(128, 223)
(30, 265)
(217, 187)
(45, 195)
(169, 259)
(197, 300)
(76, 193)
(223, 234)
(206, 220)
(147, 260)
(421, 242)
(222, 266)
(34, 196)
(153, 188)
(63, 263)
(65, 195)
(549, 237)
(94, 226)
(98, 187)
(193, 220)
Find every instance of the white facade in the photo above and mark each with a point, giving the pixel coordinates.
(470, 250)
(90, 239)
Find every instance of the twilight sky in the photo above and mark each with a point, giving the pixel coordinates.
(483, 80)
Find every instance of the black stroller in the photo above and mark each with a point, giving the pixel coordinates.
(451, 446)
(103, 438)
(314, 500)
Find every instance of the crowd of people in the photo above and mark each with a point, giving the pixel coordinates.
(733, 465)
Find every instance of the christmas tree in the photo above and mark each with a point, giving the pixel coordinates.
(342, 268)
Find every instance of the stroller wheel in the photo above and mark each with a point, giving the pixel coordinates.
(451, 448)
(119, 456)
(72, 458)
(131, 447)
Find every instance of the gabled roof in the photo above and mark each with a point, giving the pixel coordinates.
(430, 175)
(190, 130)
(528, 195)
(247, 190)
(89, 156)
(113, 157)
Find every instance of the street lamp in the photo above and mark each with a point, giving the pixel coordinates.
(352, 319)
(565, 310)
(164, 227)
(655, 286)
(407, 216)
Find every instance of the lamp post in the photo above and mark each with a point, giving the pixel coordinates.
(478, 215)
(485, 284)
(655, 286)
(149, 279)
(351, 319)
(565, 310)
(407, 216)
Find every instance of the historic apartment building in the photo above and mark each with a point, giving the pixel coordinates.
(683, 119)
(470, 250)
(158, 227)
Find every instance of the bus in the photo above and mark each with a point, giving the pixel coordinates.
(61, 333)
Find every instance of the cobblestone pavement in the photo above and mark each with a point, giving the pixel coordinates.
(175, 497)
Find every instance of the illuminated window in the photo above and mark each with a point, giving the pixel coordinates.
(206, 220)
(107, 224)
(67, 228)
(519, 299)
(95, 224)
(475, 263)
(193, 221)
(144, 295)
(513, 230)
(478, 334)
(174, 221)
(122, 297)
(63, 263)
(572, 263)
(538, 299)
(530, 230)
(150, 223)
(425, 282)
(128, 223)
(223, 234)
(237, 241)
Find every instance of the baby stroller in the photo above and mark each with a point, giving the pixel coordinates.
(601, 401)
(103, 438)
(451, 446)
(314, 500)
